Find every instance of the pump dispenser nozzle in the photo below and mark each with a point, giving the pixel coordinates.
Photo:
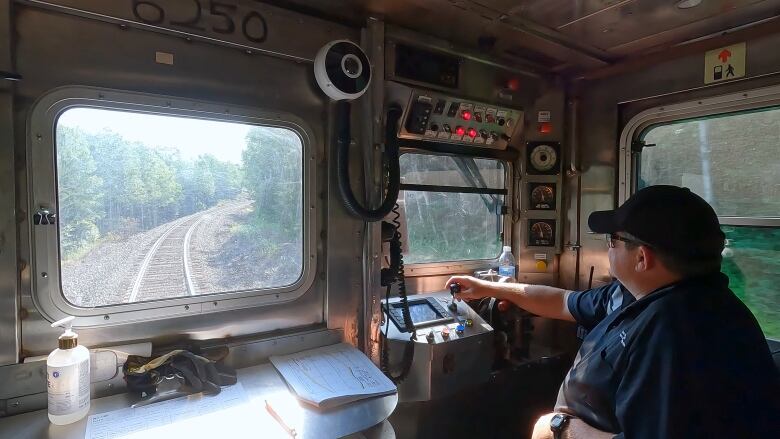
(68, 339)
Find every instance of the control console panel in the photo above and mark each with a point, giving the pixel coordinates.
(434, 116)
(453, 349)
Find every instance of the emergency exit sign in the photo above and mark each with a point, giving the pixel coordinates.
(724, 64)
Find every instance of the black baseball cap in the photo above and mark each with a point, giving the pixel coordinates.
(670, 218)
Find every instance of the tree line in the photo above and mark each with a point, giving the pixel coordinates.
(111, 187)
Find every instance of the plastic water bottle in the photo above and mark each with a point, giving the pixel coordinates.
(506, 263)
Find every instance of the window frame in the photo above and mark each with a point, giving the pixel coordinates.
(467, 265)
(47, 292)
(636, 127)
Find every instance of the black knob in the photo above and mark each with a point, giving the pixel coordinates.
(454, 289)
(434, 127)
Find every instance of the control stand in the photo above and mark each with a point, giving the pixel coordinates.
(453, 350)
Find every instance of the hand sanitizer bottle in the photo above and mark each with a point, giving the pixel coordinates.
(67, 377)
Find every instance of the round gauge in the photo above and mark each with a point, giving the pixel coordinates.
(541, 232)
(543, 158)
(542, 195)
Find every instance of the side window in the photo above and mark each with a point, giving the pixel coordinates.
(155, 206)
(453, 207)
(731, 160)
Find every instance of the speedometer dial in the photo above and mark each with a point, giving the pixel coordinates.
(541, 233)
(542, 196)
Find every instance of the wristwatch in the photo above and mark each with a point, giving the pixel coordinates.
(558, 423)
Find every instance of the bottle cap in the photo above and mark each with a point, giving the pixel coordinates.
(68, 339)
(508, 248)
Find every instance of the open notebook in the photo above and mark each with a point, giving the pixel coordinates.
(332, 375)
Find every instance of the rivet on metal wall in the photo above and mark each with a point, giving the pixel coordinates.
(44, 275)
(186, 307)
(106, 317)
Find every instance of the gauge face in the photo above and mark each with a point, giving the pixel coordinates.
(542, 196)
(543, 158)
(541, 233)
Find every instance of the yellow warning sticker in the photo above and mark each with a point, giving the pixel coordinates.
(725, 63)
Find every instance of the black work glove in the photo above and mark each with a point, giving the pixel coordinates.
(200, 374)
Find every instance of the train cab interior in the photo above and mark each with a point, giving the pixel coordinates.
(242, 181)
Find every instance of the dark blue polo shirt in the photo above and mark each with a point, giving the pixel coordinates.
(686, 361)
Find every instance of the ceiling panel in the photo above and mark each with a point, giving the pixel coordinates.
(636, 20)
(558, 34)
(552, 13)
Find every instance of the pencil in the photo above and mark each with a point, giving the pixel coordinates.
(291, 431)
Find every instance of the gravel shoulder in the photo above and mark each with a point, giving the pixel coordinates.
(222, 259)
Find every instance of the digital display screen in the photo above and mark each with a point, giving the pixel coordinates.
(426, 66)
(422, 312)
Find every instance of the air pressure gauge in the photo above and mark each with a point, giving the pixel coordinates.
(543, 158)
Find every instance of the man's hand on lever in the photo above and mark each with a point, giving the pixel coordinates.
(472, 288)
(541, 300)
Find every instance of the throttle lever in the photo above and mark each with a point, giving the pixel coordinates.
(454, 289)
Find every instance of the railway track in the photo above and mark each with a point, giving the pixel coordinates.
(166, 269)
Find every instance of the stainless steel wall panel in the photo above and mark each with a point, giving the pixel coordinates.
(372, 137)
(242, 24)
(100, 54)
(9, 277)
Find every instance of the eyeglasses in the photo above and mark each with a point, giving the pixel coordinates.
(612, 237)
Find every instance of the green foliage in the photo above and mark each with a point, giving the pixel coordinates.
(108, 184)
(730, 160)
(81, 192)
(450, 226)
(446, 226)
(272, 164)
(752, 263)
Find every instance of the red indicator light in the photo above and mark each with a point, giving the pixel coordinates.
(472, 133)
(466, 115)
(460, 131)
(545, 127)
(513, 84)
